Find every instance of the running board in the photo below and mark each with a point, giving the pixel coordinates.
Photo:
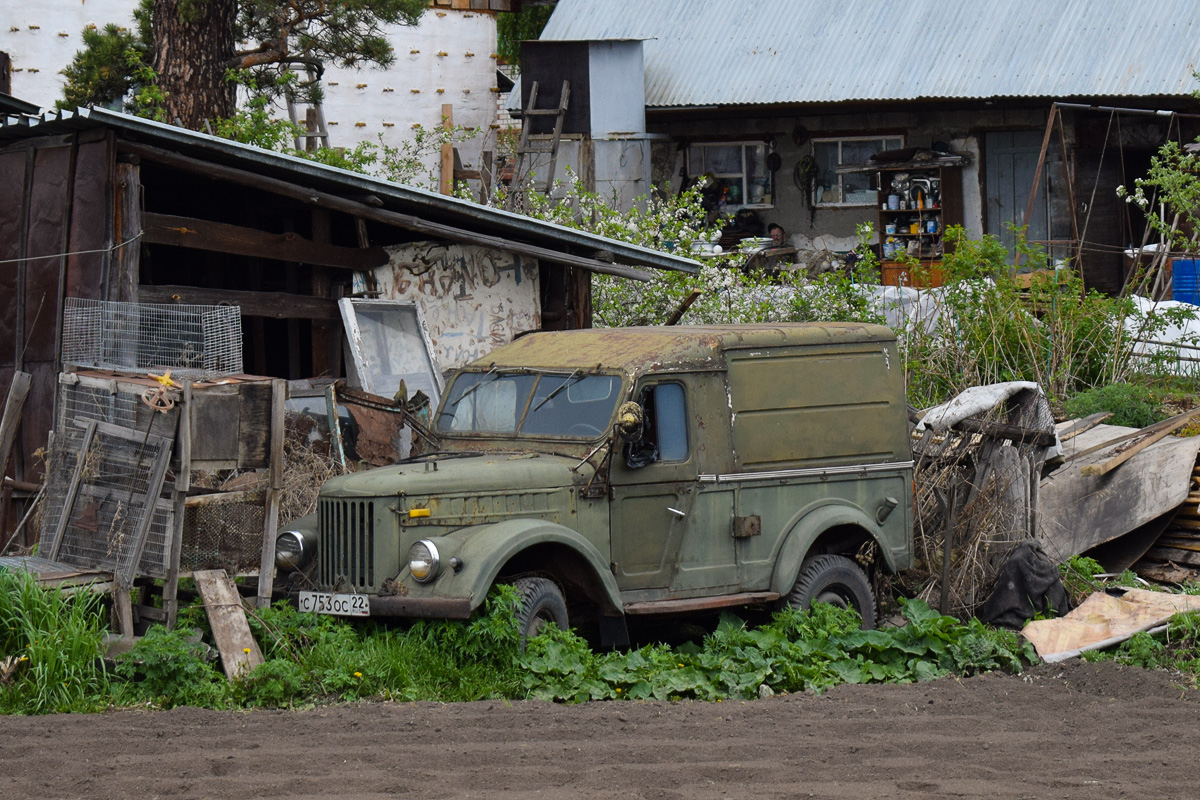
(700, 603)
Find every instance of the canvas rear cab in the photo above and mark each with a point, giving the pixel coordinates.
(616, 472)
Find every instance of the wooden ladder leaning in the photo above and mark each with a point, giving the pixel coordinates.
(314, 130)
(525, 147)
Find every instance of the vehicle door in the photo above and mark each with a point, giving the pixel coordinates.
(668, 531)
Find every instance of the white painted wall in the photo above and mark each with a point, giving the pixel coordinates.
(473, 299)
(41, 36)
(448, 58)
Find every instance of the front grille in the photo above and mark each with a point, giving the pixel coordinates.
(347, 546)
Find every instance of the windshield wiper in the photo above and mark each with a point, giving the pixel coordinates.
(491, 373)
(555, 391)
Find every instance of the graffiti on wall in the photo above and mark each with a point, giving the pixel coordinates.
(474, 299)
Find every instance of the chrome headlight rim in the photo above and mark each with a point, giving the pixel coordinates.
(434, 560)
(284, 561)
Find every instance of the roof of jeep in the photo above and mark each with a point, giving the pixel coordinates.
(633, 350)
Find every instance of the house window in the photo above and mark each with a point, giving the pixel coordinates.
(740, 169)
(851, 189)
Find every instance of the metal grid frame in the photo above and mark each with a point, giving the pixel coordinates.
(192, 341)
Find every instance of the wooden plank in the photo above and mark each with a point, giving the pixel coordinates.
(1096, 470)
(273, 305)
(227, 618)
(72, 492)
(13, 406)
(1082, 426)
(127, 227)
(446, 185)
(266, 570)
(1077, 512)
(365, 211)
(221, 237)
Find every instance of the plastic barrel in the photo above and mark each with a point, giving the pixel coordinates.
(1184, 284)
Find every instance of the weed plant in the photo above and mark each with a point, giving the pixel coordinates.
(58, 638)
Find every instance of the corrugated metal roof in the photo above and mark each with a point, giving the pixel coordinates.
(736, 52)
(394, 196)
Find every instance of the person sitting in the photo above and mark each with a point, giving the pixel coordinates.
(778, 235)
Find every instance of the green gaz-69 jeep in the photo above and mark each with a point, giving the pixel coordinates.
(631, 471)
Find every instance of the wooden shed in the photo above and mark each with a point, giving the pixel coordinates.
(105, 206)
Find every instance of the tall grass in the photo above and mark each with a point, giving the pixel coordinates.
(59, 636)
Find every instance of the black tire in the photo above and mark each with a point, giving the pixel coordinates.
(539, 603)
(835, 580)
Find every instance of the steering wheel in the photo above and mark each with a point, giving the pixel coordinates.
(583, 429)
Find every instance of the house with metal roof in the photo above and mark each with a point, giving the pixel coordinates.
(104, 206)
(810, 114)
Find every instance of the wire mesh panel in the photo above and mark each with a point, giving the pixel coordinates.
(188, 340)
(105, 476)
(226, 534)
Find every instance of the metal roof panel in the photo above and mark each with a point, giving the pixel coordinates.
(731, 52)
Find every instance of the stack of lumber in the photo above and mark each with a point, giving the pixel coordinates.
(1180, 542)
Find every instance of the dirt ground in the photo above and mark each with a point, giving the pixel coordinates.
(1060, 731)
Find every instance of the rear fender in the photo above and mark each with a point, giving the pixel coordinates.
(484, 550)
(810, 523)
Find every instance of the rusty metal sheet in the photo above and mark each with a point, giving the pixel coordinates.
(47, 215)
(90, 201)
(12, 188)
(632, 350)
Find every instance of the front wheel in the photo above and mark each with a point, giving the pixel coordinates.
(835, 580)
(539, 603)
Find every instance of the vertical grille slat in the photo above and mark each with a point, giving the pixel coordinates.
(347, 546)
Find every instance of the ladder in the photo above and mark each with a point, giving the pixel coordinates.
(315, 132)
(526, 148)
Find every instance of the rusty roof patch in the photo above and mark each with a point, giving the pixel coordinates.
(633, 350)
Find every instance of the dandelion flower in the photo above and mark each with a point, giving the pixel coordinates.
(358, 674)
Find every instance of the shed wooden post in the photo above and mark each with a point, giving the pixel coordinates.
(183, 480)
(266, 570)
(447, 183)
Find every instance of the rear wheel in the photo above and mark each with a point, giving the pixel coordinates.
(539, 603)
(835, 580)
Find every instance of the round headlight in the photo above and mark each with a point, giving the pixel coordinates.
(289, 550)
(423, 561)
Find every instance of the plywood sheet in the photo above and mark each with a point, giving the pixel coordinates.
(1104, 620)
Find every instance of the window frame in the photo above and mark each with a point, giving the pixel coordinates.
(697, 170)
(841, 192)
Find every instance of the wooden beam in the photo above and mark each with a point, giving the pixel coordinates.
(14, 404)
(314, 197)
(1178, 422)
(227, 618)
(275, 305)
(221, 237)
(447, 182)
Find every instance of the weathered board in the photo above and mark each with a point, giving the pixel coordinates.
(1077, 512)
(227, 617)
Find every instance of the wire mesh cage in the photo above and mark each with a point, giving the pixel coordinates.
(103, 506)
(224, 534)
(191, 341)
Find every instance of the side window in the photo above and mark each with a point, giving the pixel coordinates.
(669, 416)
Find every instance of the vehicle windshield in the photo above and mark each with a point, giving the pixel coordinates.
(525, 403)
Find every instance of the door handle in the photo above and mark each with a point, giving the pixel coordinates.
(676, 512)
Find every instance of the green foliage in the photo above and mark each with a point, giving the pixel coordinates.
(1079, 577)
(512, 28)
(253, 123)
(57, 637)
(1132, 405)
(168, 668)
(989, 329)
(796, 651)
(1177, 648)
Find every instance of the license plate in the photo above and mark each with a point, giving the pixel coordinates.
(345, 605)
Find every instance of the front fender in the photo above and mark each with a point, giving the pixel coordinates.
(485, 549)
(810, 523)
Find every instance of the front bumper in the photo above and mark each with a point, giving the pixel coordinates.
(420, 607)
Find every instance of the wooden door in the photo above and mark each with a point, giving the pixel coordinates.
(1010, 161)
